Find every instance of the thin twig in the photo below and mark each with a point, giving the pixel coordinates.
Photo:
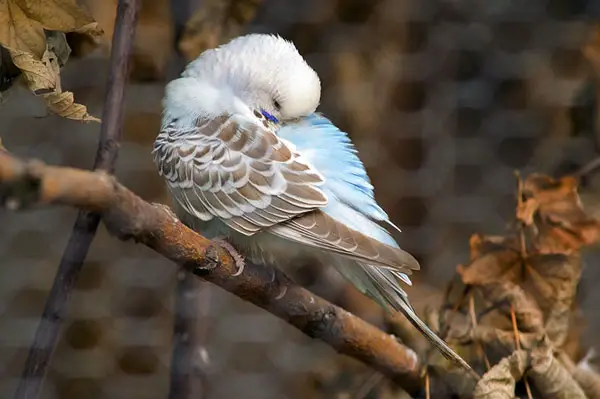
(522, 243)
(513, 319)
(479, 345)
(127, 216)
(523, 249)
(86, 224)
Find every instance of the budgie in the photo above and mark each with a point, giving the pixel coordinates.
(248, 160)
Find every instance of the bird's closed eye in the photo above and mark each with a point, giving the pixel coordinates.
(277, 105)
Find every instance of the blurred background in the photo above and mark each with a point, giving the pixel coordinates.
(444, 100)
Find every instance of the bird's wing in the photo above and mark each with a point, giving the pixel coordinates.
(237, 170)
(352, 213)
(319, 230)
(253, 180)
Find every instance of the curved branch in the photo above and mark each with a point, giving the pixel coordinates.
(126, 216)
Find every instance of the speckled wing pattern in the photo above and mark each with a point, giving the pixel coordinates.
(238, 171)
(244, 174)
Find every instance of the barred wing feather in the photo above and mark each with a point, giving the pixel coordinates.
(238, 171)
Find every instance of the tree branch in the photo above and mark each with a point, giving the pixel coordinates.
(86, 224)
(126, 216)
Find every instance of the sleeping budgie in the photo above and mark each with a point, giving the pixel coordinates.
(247, 159)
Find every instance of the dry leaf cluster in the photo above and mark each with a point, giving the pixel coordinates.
(33, 34)
(515, 316)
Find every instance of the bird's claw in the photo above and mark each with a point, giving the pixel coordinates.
(238, 259)
(282, 292)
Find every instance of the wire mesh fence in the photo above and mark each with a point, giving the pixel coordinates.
(443, 99)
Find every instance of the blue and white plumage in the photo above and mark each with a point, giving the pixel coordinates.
(246, 157)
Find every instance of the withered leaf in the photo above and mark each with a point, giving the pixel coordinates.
(588, 380)
(552, 279)
(43, 79)
(461, 330)
(459, 327)
(63, 104)
(38, 55)
(492, 259)
(527, 313)
(22, 23)
(41, 76)
(480, 244)
(554, 208)
(500, 380)
(503, 341)
(550, 377)
(572, 344)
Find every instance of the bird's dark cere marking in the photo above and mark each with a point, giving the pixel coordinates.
(258, 114)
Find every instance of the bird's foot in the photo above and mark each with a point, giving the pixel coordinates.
(238, 259)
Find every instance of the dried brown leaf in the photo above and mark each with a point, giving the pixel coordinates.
(493, 258)
(459, 327)
(588, 380)
(22, 23)
(551, 198)
(38, 55)
(500, 380)
(41, 76)
(480, 244)
(554, 210)
(552, 280)
(550, 377)
(43, 79)
(573, 345)
(64, 104)
(503, 341)
(528, 314)
(462, 331)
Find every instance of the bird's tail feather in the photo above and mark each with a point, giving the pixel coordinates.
(382, 285)
(407, 310)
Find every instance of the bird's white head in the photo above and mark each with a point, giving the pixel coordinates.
(256, 72)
